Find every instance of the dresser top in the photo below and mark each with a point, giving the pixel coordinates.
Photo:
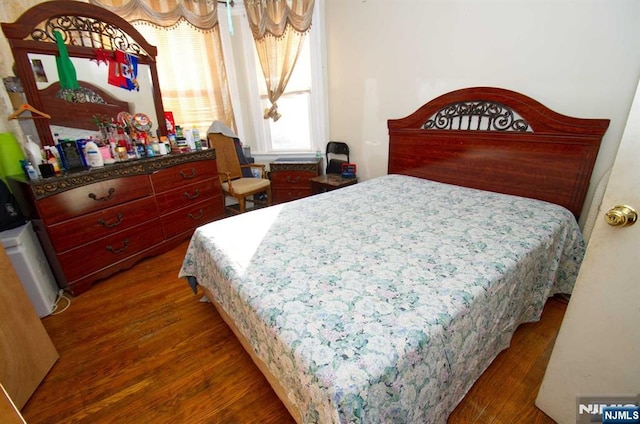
(44, 187)
(310, 159)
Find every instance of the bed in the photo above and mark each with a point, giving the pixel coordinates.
(384, 301)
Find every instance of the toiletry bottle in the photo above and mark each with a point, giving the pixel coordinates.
(33, 153)
(188, 135)
(94, 157)
(31, 171)
(52, 159)
(195, 132)
(82, 144)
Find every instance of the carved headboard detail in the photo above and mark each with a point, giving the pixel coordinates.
(498, 140)
(476, 115)
(80, 115)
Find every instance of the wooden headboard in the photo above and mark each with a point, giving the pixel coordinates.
(80, 115)
(498, 140)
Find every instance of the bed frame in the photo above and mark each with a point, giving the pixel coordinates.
(80, 115)
(498, 140)
(486, 138)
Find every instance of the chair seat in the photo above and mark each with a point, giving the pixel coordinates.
(247, 185)
(244, 188)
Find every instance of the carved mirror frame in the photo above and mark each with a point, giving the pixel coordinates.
(85, 28)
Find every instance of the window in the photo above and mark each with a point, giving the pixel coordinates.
(194, 79)
(292, 132)
(302, 126)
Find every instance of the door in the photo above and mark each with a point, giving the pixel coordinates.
(597, 352)
(26, 351)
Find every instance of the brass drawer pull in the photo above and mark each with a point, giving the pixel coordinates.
(103, 198)
(293, 180)
(194, 217)
(115, 224)
(187, 177)
(122, 249)
(192, 196)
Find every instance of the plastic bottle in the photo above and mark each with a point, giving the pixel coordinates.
(52, 159)
(195, 132)
(33, 153)
(31, 172)
(82, 148)
(94, 157)
(188, 135)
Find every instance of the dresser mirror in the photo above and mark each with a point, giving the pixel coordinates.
(90, 34)
(100, 98)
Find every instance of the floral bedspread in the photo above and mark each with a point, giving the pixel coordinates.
(384, 301)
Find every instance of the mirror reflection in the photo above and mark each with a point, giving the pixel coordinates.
(101, 100)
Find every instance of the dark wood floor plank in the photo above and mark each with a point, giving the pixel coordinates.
(140, 348)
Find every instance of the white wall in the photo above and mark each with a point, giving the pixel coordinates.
(386, 58)
(9, 11)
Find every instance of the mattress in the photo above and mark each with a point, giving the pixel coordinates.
(384, 301)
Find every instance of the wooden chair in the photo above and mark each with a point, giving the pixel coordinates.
(230, 173)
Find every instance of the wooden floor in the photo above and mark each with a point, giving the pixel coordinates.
(140, 348)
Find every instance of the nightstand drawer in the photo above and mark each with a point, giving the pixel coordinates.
(281, 195)
(292, 178)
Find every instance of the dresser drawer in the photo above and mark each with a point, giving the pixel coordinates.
(285, 194)
(93, 197)
(187, 173)
(104, 252)
(292, 178)
(191, 217)
(188, 195)
(75, 232)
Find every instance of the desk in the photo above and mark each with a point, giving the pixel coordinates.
(330, 182)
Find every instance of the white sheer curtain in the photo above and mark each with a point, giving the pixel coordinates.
(279, 28)
(191, 70)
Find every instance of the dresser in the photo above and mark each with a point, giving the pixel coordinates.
(92, 224)
(290, 177)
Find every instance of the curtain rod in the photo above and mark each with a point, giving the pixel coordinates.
(225, 3)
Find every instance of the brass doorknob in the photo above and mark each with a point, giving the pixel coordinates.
(621, 216)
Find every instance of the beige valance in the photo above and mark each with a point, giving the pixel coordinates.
(275, 17)
(202, 14)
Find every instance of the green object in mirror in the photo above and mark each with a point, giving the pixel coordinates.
(66, 70)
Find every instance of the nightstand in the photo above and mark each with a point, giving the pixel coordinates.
(290, 177)
(330, 182)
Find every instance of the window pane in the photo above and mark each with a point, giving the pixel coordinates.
(300, 77)
(193, 80)
(292, 132)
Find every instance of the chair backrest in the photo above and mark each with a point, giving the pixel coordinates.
(226, 156)
(334, 166)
